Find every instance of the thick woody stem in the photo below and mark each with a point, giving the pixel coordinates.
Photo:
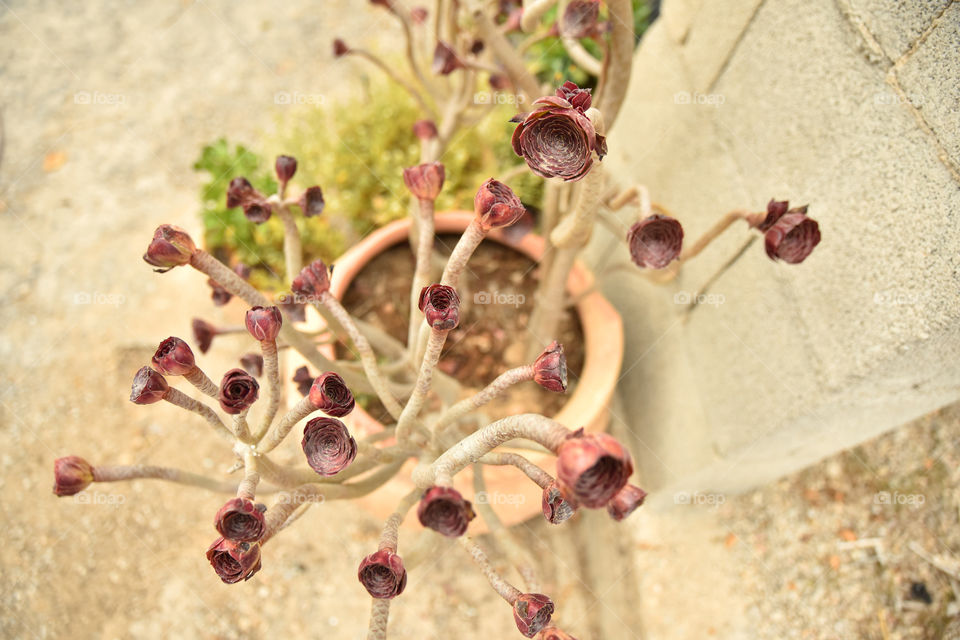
(291, 477)
(271, 367)
(424, 380)
(505, 539)
(292, 248)
(367, 357)
(491, 391)
(251, 477)
(712, 233)
(379, 615)
(199, 379)
(120, 473)
(620, 59)
(421, 276)
(280, 430)
(533, 11)
(240, 428)
(569, 237)
(461, 253)
(277, 514)
(404, 16)
(530, 426)
(550, 304)
(182, 400)
(506, 590)
(637, 192)
(532, 471)
(503, 51)
(391, 529)
(226, 278)
(393, 75)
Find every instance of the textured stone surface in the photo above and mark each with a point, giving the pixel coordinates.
(897, 25)
(791, 362)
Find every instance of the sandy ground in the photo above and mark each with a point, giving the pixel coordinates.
(105, 108)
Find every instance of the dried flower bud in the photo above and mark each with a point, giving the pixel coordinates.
(424, 180)
(382, 574)
(218, 294)
(257, 209)
(330, 394)
(340, 48)
(239, 191)
(238, 390)
(550, 368)
(553, 633)
(174, 358)
(445, 60)
(579, 99)
(264, 323)
(556, 139)
(593, 467)
(313, 280)
(792, 238)
(312, 202)
(328, 446)
(286, 168)
(556, 508)
(496, 205)
(171, 247)
(240, 520)
(234, 561)
(418, 15)
(203, 333)
(626, 502)
(445, 511)
(580, 18)
(425, 129)
(252, 363)
(655, 242)
(71, 475)
(441, 306)
(532, 612)
(148, 387)
(221, 296)
(304, 381)
(775, 211)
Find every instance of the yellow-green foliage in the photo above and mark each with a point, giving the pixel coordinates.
(359, 148)
(356, 151)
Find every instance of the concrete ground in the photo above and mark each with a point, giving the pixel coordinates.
(105, 109)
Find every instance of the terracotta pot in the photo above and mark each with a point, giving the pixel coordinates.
(512, 495)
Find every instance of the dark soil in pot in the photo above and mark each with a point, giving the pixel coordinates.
(497, 292)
